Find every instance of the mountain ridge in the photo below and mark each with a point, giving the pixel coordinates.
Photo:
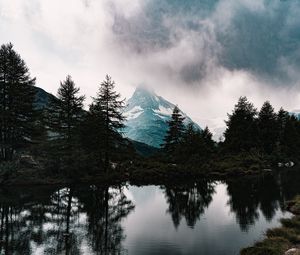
(147, 115)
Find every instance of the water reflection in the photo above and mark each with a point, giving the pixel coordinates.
(67, 221)
(189, 201)
(172, 219)
(105, 209)
(266, 193)
(248, 195)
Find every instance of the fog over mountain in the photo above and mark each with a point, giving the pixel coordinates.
(200, 54)
(147, 116)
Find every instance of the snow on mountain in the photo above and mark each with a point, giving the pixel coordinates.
(147, 115)
(296, 113)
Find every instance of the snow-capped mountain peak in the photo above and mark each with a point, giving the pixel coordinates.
(147, 115)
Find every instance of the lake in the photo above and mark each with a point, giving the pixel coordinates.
(199, 217)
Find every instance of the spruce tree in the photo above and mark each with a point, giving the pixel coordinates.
(268, 127)
(93, 133)
(175, 131)
(189, 144)
(241, 133)
(282, 118)
(17, 113)
(64, 115)
(111, 107)
(290, 138)
(196, 145)
(210, 145)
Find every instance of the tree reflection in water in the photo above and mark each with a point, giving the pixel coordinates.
(265, 193)
(247, 198)
(189, 201)
(88, 220)
(105, 209)
(66, 222)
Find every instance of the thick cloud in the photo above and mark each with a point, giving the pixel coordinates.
(261, 37)
(201, 54)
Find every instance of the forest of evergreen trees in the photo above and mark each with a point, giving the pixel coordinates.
(66, 138)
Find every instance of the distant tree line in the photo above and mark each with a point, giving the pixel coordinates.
(271, 133)
(184, 143)
(266, 132)
(69, 137)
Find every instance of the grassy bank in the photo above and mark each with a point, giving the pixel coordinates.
(28, 171)
(280, 240)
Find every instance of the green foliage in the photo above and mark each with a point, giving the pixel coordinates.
(275, 135)
(65, 112)
(104, 122)
(241, 163)
(18, 116)
(286, 233)
(242, 132)
(290, 138)
(294, 205)
(92, 132)
(110, 108)
(187, 144)
(63, 117)
(175, 131)
(268, 127)
(196, 147)
(292, 223)
(270, 246)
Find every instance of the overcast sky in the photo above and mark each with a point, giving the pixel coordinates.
(199, 54)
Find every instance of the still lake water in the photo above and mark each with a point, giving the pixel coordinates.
(202, 217)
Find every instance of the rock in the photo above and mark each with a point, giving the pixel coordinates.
(293, 251)
(280, 164)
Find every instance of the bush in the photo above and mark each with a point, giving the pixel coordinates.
(292, 223)
(286, 233)
(269, 246)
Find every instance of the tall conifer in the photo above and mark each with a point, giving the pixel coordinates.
(110, 105)
(17, 113)
(175, 132)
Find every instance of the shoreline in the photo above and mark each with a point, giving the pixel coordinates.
(284, 240)
(146, 176)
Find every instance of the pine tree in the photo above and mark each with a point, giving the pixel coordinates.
(109, 104)
(268, 127)
(175, 131)
(241, 133)
(210, 145)
(290, 137)
(196, 145)
(207, 136)
(64, 116)
(282, 118)
(93, 133)
(17, 113)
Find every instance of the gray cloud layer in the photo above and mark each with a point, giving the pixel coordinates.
(261, 37)
(200, 54)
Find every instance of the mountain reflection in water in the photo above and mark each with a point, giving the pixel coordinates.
(201, 217)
